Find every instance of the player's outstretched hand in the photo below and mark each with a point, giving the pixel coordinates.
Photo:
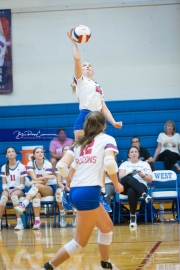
(119, 188)
(70, 34)
(118, 124)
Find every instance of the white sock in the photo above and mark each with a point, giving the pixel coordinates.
(25, 203)
(37, 218)
(103, 190)
(19, 220)
(52, 265)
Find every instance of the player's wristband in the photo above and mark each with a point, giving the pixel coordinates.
(4, 186)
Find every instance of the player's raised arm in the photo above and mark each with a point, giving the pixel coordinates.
(77, 57)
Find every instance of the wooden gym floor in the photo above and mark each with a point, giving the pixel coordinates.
(150, 247)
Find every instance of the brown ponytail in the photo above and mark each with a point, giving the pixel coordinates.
(7, 168)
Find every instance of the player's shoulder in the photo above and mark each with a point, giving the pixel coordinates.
(104, 138)
(47, 162)
(3, 167)
(30, 163)
(20, 165)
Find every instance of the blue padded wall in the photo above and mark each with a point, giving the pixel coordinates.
(143, 118)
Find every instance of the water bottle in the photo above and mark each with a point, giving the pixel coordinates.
(161, 212)
(23, 218)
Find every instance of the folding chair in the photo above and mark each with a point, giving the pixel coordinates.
(120, 200)
(166, 188)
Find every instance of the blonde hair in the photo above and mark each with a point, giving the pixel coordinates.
(73, 86)
(174, 127)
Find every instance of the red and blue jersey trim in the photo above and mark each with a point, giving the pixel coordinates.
(23, 173)
(48, 170)
(110, 145)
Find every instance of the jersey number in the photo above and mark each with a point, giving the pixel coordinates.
(38, 175)
(87, 150)
(13, 177)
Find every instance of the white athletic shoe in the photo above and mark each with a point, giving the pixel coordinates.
(63, 221)
(19, 226)
(133, 222)
(74, 219)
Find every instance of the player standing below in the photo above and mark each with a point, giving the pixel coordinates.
(13, 179)
(93, 152)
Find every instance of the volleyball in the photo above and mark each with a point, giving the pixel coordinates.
(81, 34)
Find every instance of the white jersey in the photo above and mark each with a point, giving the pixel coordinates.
(142, 166)
(40, 172)
(89, 162)
(175, 139)
(89, 93)
(15, 175)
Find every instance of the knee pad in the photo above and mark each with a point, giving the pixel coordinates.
(3, 200)
(104, 238)
(15, 200)
(36, 202)
(110, 165)
(33, 191)
(72, 247)
(63, 169)
(59, 197)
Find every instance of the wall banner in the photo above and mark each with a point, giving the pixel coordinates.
(11, 135)
(6, 85)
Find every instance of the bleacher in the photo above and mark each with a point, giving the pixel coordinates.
(143, 118)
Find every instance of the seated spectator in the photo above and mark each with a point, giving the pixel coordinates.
(134, 175)
(144, 154)
(109, 188)
(13, 179)
(56, 146)
(62, 193)
(168, 146)
(42, 184)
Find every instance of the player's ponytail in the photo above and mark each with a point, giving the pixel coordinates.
(7, 168)
(73, 86)
(94, 125)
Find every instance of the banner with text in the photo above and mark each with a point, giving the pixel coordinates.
(11, 135)
(6, 85)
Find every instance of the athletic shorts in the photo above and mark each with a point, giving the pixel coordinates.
(11, 188)
(79, 124)
(53, 188)
(85, 198)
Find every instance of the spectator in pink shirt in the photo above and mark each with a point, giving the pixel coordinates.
(56, 146)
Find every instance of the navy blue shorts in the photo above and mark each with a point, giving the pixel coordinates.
(11, 188)
(85, 198)
(53, 188)
(79, 124)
